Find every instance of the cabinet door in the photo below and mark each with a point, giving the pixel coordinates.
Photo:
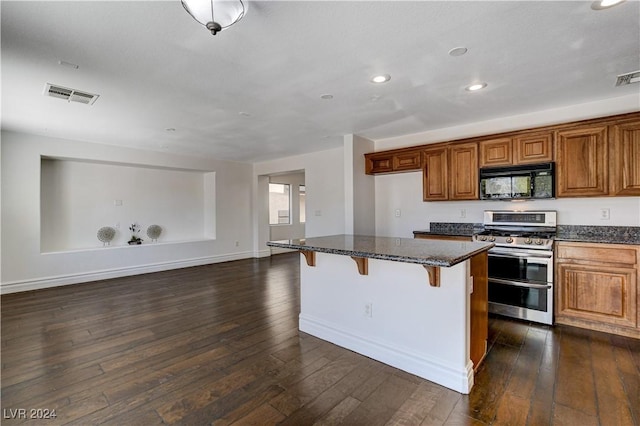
(435, 182)
(406, 161)
(533, 148)
(582, 162)
(496, 152)
(599, 294)
(378, 164)
(463, 171)
(625, 161)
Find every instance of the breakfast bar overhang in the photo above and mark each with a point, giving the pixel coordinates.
(417, 305)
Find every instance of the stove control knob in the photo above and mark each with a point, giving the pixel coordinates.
(527, 241)
(482, 238)
(509, 240)
(492, 238)
(539, 242)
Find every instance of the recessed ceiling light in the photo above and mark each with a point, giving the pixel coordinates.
(170, 129)
(382, 78)
(244, 114)
(476, 86)
(326, 96)
(605, 4)
(458, 51)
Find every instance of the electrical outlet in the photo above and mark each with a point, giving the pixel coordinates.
(398, 212)
(463, 213)
(237, 243)
(117, 203)
(605, 214)
(368, 310)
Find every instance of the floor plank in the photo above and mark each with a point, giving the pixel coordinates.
(219, 344)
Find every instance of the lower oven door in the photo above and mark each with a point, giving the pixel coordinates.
(521, 284)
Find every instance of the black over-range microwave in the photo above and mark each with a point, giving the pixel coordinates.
(532, 181)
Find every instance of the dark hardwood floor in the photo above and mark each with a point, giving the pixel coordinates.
(219, 345)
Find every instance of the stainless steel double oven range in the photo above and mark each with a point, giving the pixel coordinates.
(521, 263)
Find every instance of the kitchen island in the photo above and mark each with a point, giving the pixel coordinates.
(402, 301)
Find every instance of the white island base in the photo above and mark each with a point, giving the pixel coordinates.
(392, 314)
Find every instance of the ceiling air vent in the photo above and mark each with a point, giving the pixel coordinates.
(71, 95)
(628, 78)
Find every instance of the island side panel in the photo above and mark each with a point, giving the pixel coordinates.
(413, 326)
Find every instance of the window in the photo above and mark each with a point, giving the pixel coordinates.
(303, 196)
(279, 204)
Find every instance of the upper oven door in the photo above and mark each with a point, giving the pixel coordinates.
(534, 267)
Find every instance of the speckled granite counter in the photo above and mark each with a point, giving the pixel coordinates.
(574, 233)
(450, 229)
(599, 234)
(408, 250)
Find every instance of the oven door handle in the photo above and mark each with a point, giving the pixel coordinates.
(519, 284)
(520, 255)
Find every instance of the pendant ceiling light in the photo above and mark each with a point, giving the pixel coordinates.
(216, 15)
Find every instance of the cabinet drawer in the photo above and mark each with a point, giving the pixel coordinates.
(600, 253)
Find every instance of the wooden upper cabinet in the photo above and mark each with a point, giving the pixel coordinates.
(450, 172)
(405, 161)
(527, 148)
(463, 171)
(625, 159)
(496, 152)
(582, 158)
(392, 161)
(533, 148)
(435, 174)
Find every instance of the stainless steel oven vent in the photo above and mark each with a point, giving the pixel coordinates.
(628, 78)
(68, 94)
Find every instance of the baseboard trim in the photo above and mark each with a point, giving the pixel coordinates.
(61, 280)
(459, 380)
(262, 253)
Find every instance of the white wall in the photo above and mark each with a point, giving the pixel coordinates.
(404, 191)
(79, 197)
(24, 266)
(324, 181)
(359, 188)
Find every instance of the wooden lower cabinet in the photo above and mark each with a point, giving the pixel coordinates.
(479, 304)
(597, 287)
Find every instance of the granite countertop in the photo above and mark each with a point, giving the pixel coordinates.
(573, 233)
(448, 228)
(599, 234)
(408, 250)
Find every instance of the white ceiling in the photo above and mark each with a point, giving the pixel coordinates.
(154, 68)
